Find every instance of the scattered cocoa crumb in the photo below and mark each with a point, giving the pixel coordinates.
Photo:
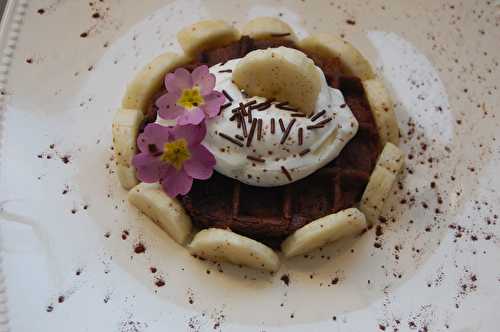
(29, 60)
(60, 299)
(139, 248)
(65, 159)
(125, 234)
(96, 15)
(84, 34)
(286, 279)
(379, 231)
(335, 281)
(49, 308)
(41, 11)
(159, 282)
(153, 269)
(350, 22)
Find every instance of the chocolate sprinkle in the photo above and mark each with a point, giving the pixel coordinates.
(282, 125)
(324, 122)
(277, 35)
(259, 129)
(241, 138)
(257, 159)
(250, 117)
(230, 139)
(298, 115)
(225, 71)
(320, 124)
(251, 103)
(223, 107)
(287, 174)
(301, 136)
(252, 131)
(262, 106)
(243, 125)
(273, 126)
(318, 115)
(224, 92)
(285, 107)
(287, 132)
(303, 153)
(315, 127)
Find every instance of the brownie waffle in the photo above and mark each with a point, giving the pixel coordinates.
(270, 214)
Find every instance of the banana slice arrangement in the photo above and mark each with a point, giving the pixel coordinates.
(221, 244)
(294, 79)
(381, 181)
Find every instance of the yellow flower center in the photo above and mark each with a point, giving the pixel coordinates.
(176, 153)
(191, 98)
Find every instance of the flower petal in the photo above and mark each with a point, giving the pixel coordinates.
(202, 77)
(176, 182)
(154, 134)
(213, 103)
(149, 168)
(178, 81)
(168, 108)
(194, 116)
(191, 133)
(201, 164)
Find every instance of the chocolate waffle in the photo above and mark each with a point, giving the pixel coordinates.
(270, 214)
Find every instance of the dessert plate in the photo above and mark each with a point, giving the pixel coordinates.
(76, 256)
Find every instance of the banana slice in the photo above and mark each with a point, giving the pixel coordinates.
(125, 129)
(383, 112)
(353, 62)
(165, 211)
(324, 230)
(268, 27)
(205, 35)
(150, 80)
(281, 73)
(220, 244)
(382, 179)
(391, 158)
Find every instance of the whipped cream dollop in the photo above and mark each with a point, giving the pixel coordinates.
(286, 146)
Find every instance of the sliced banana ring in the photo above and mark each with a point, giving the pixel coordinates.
(283, 74)
(383, 111)
(391, 158)
(165, 211)
(220, 244)
(205, 35)
(323, 231)
(328, 45)
(381, 181)
(268, 27)
(125, 129)
(150, 80)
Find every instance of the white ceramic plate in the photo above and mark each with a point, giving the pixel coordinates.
(68, 235)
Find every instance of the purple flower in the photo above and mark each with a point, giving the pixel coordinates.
(173, 156)
(190, 97)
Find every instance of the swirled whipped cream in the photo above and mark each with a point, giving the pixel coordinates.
(276, 145)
